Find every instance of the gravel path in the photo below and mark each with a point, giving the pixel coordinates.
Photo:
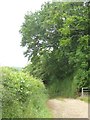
(68, 108)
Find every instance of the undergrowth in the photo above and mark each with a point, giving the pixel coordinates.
(62, 88)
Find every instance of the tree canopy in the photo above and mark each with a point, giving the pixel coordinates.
(56, 38)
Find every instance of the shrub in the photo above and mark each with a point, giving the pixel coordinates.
(22, 95)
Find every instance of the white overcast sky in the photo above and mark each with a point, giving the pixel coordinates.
(11, 18)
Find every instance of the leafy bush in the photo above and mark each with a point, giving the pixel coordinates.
(22, 95)
(81, 79)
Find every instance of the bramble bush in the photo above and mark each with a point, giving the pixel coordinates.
(22, 95)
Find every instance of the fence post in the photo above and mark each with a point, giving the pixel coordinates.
(82, 92)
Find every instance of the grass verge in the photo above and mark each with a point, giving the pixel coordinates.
(85, 99)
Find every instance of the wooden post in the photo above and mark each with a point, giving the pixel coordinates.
(82, 92)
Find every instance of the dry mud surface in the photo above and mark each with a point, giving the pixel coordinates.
(68, 108)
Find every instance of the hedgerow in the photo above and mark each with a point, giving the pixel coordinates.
(22, 95)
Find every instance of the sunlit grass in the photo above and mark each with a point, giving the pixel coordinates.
(86, 99)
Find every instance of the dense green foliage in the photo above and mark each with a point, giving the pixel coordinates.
(56, 38)
(22, 95)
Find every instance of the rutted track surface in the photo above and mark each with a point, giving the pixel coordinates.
(68, 108)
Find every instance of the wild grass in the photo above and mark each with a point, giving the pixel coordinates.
(62, 88)
(85, 99)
